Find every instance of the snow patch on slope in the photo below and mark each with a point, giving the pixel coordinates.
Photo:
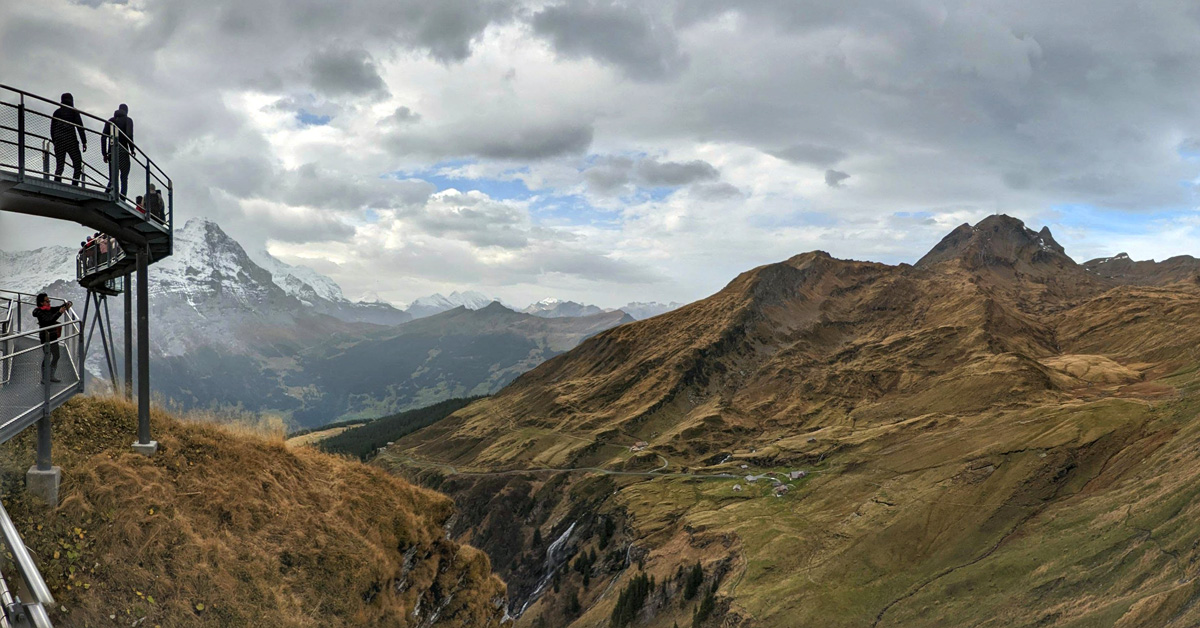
(299, 281)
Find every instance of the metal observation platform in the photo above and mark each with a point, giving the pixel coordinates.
(63, 163)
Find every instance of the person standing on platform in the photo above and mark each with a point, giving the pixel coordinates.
(48, 316)
(119, 129)
(65, 124)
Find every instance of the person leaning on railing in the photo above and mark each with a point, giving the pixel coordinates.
(47, 317)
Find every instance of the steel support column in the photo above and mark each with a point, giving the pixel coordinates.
(143, 348)
(129, 337)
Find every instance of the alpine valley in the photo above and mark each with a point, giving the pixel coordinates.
(246, 331)
(994, 436)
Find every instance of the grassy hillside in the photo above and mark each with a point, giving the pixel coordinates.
(235, 529)
(993, 437)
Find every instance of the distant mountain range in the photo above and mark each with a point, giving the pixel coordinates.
(234, 329)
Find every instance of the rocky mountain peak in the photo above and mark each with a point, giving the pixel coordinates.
(997, 240)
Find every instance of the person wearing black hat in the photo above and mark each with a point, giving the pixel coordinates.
(119, 129)
(65, 124)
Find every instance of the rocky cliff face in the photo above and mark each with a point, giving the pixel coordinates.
(1122, 269)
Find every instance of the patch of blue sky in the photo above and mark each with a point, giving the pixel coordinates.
(655, 194)
(788, 219)
(914, 215)
(1189, 149)
(311, 119)
(443, 175)
(1098, 220)
(571, 209)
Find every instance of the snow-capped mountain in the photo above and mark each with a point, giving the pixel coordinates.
(33, 271)
(437, 303)
(642, 310)
(230, 331)
(325, 296)
(301, 282)
(556, 308)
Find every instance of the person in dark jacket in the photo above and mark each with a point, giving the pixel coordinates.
(119, 129)
(46, 317)
(155, 205)
(65, 124)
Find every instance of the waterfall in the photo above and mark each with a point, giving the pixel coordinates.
(553, 562)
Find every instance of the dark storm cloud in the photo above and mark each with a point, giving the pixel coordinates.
(302, 227)
(539, 143)
(627, 36)
(614, 176)
(834, 178)
(810, 154)
(610, 177)
(654, 173)
(719, 191)
(311, 185)
(339, 72)
(402, 115)
(506, 141)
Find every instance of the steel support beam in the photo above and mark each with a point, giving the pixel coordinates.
(129, 337)
(144, 444)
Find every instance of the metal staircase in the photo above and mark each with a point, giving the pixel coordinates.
(134, 235)
(29, 183)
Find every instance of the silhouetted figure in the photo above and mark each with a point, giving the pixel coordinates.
(63, 128)
(155, 204)
(119, 129)
(46, 317)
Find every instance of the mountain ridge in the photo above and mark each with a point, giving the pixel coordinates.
(995, 373)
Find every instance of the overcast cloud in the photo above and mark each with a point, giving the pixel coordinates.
(610, 151)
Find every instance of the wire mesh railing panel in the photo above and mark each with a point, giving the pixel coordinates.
(92, 154)
(23, 396)
(98, 255)
(10, 151)
(25, 361)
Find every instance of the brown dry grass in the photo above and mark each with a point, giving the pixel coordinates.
(228, 526)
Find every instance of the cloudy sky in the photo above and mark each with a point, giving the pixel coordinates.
(611, 151)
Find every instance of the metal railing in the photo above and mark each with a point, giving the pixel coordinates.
(102, 253)
(24, 401)
(15, 612)
(25, 398)
(28, 148)
(6, 342)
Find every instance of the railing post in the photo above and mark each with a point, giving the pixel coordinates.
(171, 209)
(21, 138)
(42, 479)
